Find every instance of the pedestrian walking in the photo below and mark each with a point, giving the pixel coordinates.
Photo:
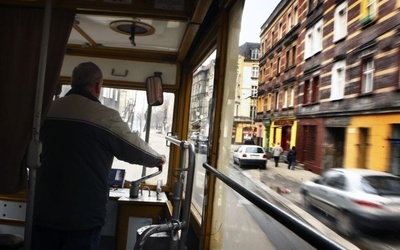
(291, 157)
(276, 153)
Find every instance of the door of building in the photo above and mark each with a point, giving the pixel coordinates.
(363, 147)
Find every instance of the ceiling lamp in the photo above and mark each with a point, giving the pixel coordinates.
(132, 28)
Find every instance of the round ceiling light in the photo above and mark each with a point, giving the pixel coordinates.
(125, 27)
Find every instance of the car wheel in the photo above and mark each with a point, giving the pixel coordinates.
(263, 166)
(345, 224)
(240, 164)
(307, 201)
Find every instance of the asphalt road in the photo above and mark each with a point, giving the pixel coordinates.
(287, 184)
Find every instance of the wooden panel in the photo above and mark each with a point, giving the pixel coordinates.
(144, 206)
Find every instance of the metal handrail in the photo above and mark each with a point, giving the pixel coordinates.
(177, 221)
(184, 145)
(304, 231)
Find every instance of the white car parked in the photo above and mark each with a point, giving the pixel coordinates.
(356, 198)
(250, 155)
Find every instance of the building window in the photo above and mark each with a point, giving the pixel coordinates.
(271, 70)
(338, 80)
(294, 55)
(318, 37)
(367, 75)
(289, 20)
(315, 89)
(295, 15)
(285, 98)
(260, 104)
(368, 11)
(371, 6)
(265, 105)
(254, 72)
(340, 23)
(313, 43)
(272, 38)
(252, 112)
(269, 102)
(308, 44)
(311, 90)
(291, 102)
(265, 74)
(310, 5)
(254, 91)
(306, 95)
(280, 31)
(277, 100)
(287, 58)
(255, 54)
(278, 65)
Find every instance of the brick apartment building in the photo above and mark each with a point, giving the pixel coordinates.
(345, 78)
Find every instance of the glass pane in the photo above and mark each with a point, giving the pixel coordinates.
(249, 227)
(200, 115)
(132, 105)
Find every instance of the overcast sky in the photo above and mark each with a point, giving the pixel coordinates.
(255, 13)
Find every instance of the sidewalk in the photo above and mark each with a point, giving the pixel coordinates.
(283, 180)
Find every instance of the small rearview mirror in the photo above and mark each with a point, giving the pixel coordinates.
(154, 90)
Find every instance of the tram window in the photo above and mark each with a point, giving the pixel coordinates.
(200, 115)
(132, 105)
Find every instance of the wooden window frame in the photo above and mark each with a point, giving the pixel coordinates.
(364, 76)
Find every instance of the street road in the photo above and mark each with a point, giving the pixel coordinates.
(366, 240)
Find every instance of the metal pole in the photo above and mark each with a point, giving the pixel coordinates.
(188, 197)
(148, 120)
(34, 149)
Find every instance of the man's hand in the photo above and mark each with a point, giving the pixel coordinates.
(163, 159)
(160, 165)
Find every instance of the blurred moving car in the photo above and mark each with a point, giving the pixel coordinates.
(200, 144)
(250, 155)
(356, 199)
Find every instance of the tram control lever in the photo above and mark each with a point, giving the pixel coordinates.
(135, 185)
(158, 188)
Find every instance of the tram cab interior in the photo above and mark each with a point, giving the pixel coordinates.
(133, 42)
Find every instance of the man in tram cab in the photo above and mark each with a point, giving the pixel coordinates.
(80, 139)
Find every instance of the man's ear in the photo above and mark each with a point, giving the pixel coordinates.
(97, 88)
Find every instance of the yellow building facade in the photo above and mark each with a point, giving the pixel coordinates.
(372, 142)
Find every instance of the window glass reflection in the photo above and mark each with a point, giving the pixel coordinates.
(200, 115)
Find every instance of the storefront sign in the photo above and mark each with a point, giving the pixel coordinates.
(284, 122)
(337, 122)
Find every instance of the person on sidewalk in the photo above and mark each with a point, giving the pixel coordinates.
(276, 153)
(291, 157)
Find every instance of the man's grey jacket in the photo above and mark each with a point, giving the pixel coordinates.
(80, 138)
